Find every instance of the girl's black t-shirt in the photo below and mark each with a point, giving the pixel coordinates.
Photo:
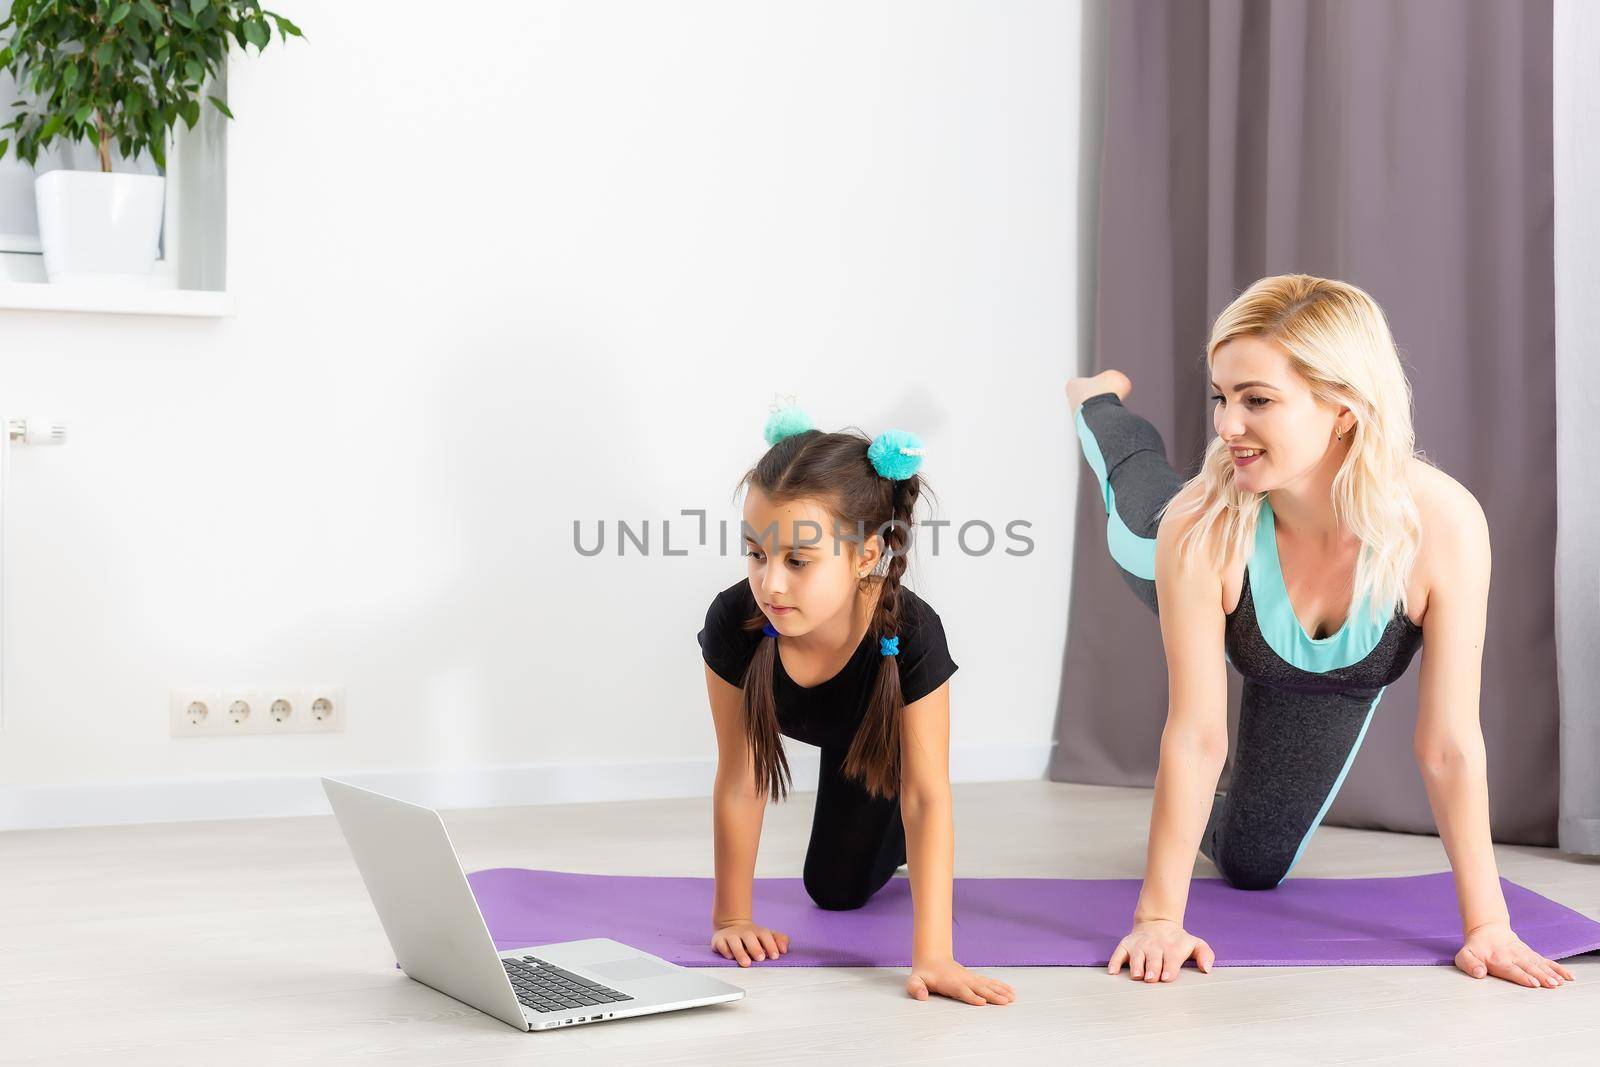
(828, 713)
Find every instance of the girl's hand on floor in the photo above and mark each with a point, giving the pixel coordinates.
(1155, 951)
(1494, 949)
(743, 940)
(948, 978)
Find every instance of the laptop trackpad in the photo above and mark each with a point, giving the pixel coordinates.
(628, 969)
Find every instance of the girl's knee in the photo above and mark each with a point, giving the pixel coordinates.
(833, 896)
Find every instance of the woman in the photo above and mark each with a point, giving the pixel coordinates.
(1316, 553)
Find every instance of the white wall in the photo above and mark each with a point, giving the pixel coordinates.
(496, 273)
(1576, 164)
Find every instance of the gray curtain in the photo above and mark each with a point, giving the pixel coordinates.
(1403, 147)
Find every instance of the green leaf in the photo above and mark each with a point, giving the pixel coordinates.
(220, 106)
(191, 112)
(69, 77)
(151, 15)
(120, 13)
(82, 114)
(194, 71)
(4, 144)
(51, 126)
(256, 33)
(197, 6)
(284, 25)
(105, 53)
(6, 56)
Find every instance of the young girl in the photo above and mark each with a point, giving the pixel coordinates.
(824, 644)
(1315, 553)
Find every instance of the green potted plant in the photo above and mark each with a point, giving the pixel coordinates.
(119, 74)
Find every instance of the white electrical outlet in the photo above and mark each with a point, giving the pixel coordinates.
(327, 706)
(195, 712)
(201, 712)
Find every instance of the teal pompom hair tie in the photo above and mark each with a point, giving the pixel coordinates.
(786, 420)
(889, 646)
(896, 454)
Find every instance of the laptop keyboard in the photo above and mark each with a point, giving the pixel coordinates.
(544, 987)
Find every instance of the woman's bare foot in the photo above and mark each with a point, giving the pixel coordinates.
(1107, 381)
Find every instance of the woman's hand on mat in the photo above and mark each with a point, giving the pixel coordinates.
(1494, 949)
(743, 940)
(1156, 949)
(948, 978)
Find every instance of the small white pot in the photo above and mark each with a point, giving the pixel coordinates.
(97, 227)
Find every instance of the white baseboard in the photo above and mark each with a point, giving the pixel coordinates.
(38, 807)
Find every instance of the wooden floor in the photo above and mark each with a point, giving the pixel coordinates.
(254, 942)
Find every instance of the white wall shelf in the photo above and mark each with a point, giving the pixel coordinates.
(42, 296)
(188, 278)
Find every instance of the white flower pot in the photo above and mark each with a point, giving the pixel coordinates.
(99, 228)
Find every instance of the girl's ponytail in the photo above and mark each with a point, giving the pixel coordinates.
(761, 720)
(874, 756)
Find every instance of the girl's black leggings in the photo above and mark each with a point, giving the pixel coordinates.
(857, 840)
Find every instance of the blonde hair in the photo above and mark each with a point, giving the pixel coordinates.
(1337, 340)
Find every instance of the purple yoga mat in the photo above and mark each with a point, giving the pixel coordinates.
(1025, 922)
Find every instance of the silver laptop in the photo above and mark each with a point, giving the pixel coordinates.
(440, 939)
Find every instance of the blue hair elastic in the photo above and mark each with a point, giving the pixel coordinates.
(767, 629)
(889, 646)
